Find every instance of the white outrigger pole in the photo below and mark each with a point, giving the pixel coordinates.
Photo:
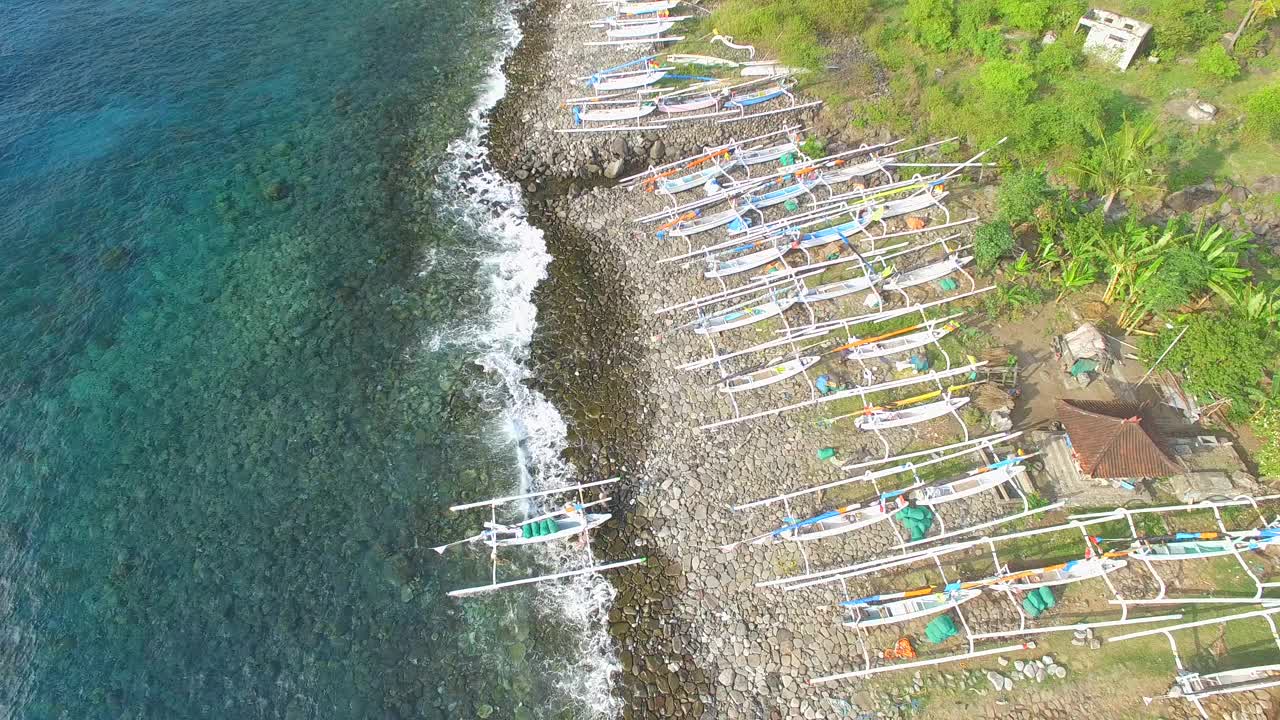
(572, 521)
(1184, 682)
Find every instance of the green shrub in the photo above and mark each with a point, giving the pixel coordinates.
(1021, 193)
(1262, 113)
(1183, 274)
(992, 242)
(792, 27)
(1072, 106)
(814, 147)
(799, 44)
(932, 22)
(834, 16)
(1221, 355)
(1249, 42)
(1181, 25)
(1005, 84)
(973, 16)
(1031, 15)
(1215, 62)
(1058, 57)
(1266, 425)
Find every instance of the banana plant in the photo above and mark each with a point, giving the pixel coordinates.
(1255, 302)
(1022, 266)
(1222, 251)
(1076, 273)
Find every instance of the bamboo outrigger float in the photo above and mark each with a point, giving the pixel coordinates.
(562, 524)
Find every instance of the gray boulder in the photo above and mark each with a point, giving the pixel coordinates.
(1192, 198)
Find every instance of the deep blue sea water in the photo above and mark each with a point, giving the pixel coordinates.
(256, 333)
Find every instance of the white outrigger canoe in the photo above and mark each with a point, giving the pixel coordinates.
(867, 214)
(750, 261)
(1194, 686)
(767, 69)
(705, 223)
(871, 615)
(886, 419)
(570, 521)
(927, 273)
(1193, 549)
(768, 375)
(671, 186)
(703, 60)
(644, 7)
(639, 30)
(900, 344)
(839, 521)
(839, 288)
(627, 80)
(766, 154)
(565, 524)
(1060, 574)
(966, 486)
(741, 317)
(673, 106)
(588, 113)
(777, 197)
(755, 97)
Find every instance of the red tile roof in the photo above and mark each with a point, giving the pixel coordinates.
(1111, 440)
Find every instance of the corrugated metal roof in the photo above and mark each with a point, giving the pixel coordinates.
(1111, 440)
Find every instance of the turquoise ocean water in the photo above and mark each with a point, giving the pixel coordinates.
(263, 317)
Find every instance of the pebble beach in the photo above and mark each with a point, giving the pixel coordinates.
(696, 637)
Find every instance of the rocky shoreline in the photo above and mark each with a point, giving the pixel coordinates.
(696, 638)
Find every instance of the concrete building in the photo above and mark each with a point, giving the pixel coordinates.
(1115, 38)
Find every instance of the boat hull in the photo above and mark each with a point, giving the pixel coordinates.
(1080, 570)
(771, 375)
(567, 528)
(628, 82)
(640, 31)
(910, 416)
(893, 346)
(909, 609)
(742, 318)
(966, 487)
(613, 114)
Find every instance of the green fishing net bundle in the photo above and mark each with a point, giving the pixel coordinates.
(1038, 601)
(940, 629)
(538, 529)
(917, 520)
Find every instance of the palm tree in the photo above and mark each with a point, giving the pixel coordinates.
(1120, 165)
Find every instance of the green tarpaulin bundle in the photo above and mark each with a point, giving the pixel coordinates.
(940, 629)
(538, 529)
(1038, 601)
(917, 520)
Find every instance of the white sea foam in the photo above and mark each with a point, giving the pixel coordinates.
(516, 262)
